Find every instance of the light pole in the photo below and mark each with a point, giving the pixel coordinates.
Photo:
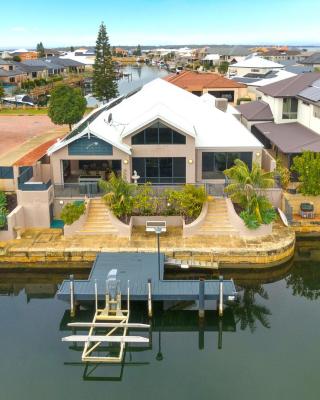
(157, 227)
(158, 231)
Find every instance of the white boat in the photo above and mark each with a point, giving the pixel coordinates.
(19, 99)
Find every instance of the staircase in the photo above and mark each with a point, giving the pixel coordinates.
(217, 220)
(98, 220)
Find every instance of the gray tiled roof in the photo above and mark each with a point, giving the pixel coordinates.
(256, 111)
(312, 92)
(291, 86)
(65, 62)
(313, 59)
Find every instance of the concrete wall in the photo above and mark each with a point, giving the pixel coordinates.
(171, 220)
(239, 71)
(274, 195)
(72, 229)
(306, 116)
(15, 219)
(268, 162)
(238, 92)
(36, 207)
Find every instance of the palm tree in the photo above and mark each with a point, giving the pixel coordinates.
(246, 311)
(245, 183)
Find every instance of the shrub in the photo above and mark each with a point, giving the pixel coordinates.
(3, 210)
(282, 173)
(144, 201)
(71, 212)
(307, 167)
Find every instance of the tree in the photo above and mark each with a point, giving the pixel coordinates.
(40, 50)
(72, 49)
(104, 77)
(16, 58)
(2, 92)
(137, 51)
(223, 67)
(307, 166)
(67, 105)
(244, 190)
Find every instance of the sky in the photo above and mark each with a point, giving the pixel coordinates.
(159, 22)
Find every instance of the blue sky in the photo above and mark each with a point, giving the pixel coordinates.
(129, 22)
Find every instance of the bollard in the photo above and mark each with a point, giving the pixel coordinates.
(220, 308)
(149, 299)
(201, 298)
(72, 302)
(96, 293)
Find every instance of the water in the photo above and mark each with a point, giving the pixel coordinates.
(141, 74)
(270, 343)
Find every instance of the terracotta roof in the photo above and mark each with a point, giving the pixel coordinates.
(34, 155)
(256, 111)
(198, 81)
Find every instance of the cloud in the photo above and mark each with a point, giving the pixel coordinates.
(18, 29)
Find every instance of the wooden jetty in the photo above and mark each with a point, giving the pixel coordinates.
(145, 271)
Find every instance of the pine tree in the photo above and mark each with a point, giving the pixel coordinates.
(104, 82)
(40, 50)
(138, 51)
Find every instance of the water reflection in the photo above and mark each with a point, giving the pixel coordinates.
(247, 311)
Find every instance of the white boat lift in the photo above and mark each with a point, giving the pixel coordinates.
(113, 320)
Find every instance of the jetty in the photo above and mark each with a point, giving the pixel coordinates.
(145, 273)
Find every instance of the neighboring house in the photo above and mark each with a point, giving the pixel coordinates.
(199, 83)
(295, 106)
(32, 71)
(9, 73)
(70, 66)
(24, 54)
(120, 52)
(51, 67)
(279, 55)
(211, 60)
(165, 134)
(253, 66)
(256, 81)
(313, 60)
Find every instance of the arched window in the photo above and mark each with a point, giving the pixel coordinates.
(158, 133)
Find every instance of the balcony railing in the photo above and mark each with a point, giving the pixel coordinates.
(26, 183)
(89, 189)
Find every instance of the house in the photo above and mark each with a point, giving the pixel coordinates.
(253, 66)
(313, 60)
(294, 104)
(217, 85)
(10, 73)
(279, 55)
(24, 54)
(211, 60)
(162, 134)
(46, 63)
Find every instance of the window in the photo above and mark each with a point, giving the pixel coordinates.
(6, 173)
(164, 170)
(316, 112)
(255, 70)
(290, 108)
(224, 94)
(158, 133)
(213, 164)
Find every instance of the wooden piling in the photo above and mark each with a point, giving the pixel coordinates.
(220, 305)
(72, 302)
(201, 298)
(149, 299)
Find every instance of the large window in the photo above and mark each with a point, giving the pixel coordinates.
(290, 108)
(165, 170)
(213, 164)
(158, 133)
(224, 94)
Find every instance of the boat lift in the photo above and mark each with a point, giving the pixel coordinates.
(109, 325)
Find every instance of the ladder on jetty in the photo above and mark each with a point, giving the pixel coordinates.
(109, 325)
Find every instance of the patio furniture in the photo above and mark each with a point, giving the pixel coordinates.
(307, 210)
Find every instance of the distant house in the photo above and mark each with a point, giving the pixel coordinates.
(278, 55)
(294, 105)
(120, 52)
(313, 60)
(211, 60)
(253, 66)
(199, 83)
(51, 67)
(24, 54)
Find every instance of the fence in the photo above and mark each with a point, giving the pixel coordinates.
(288, 210)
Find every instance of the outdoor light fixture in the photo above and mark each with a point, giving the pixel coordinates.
(190, 161)
(61, 202)
(184, 265)
(258, 154)
(125, 161)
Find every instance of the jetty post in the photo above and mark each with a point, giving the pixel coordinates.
(220, 304)
(201, 298)
(96, 293)
(72, 302)
(149, 299)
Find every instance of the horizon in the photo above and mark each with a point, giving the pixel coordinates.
(162, 23)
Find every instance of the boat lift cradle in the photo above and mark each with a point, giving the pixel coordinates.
(113, 320)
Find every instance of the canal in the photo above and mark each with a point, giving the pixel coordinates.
(265, 347)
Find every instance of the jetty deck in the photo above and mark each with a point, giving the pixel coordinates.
(138, 268)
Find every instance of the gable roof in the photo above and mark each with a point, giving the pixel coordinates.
(176, 107)
(256, 111)
(290, 87)
(256, 62)
(313, 59)
(263, 80)
(198, 81)
(311, 93)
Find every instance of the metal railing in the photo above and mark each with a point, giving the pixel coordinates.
(88, 189)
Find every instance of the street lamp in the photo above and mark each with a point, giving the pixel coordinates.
(157, 227)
